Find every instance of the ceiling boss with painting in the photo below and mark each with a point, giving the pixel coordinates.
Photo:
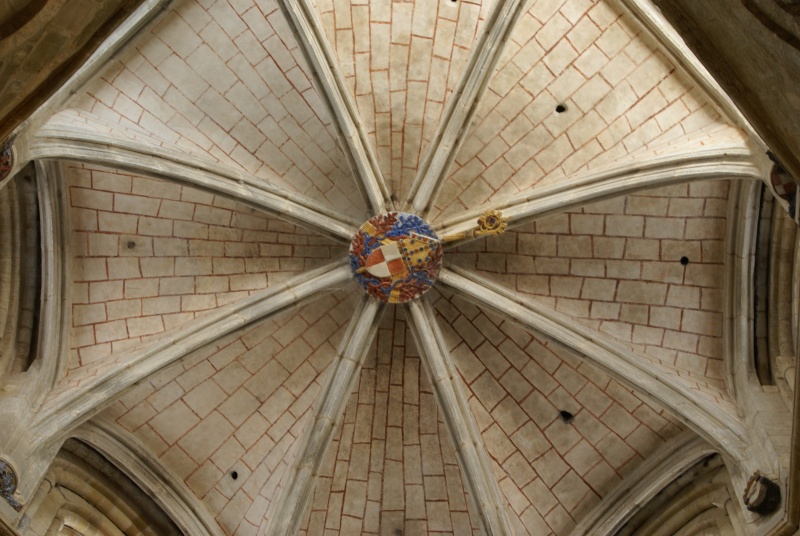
(396, 256)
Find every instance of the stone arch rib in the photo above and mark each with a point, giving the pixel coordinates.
(286, 515)
(643, 484)
(300, 15)
(458, 417)
(90, 147)
(450, 132)
(139, 465)
(723, 163)
(64, 410)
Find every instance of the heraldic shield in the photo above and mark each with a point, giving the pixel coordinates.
(395, 257)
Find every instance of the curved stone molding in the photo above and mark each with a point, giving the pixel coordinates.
(301, 14)
(19, 271)
(286, 513)
(74, 144)
(765, 413)
(761, 298)
(449, 134)
(86, 492)
(36, 440)
(460, 421)
(9, 274)
(96, 54)
(644, 483)
(652, 19)
(738, 329)
(55, 314)
(143, 468)
(696, 502)
(67, 409)
(724, 163)
(782, 315)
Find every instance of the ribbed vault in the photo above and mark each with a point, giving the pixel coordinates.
(206, 172)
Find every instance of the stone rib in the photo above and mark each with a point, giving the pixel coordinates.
(86, 146)
(289, 509)
(695, 166)
(723, 430)
(75, 405)
(450, 133)
(306, 25)
(458, 417)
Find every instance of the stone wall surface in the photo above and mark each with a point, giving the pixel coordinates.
(233, 87)
(402, 61)
(392, 465)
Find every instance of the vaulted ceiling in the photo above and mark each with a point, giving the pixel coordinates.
(200, 179)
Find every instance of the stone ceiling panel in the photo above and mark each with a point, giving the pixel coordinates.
(579, 85)
(616, 266)
(402, 61)
(238, 405)
(552, 470)
(231, 84)
(391, 467)
(150, 255)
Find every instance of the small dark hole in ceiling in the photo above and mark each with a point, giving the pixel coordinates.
(566, 416)
(131, 244)
(684, 260)
(561, 108)
(234, 475)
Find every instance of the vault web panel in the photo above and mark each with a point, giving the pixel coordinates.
(392, 465)
(552, 468)
(240, 405)
(229, 84)
(579, 85)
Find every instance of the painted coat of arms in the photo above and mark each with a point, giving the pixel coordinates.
(396, 257)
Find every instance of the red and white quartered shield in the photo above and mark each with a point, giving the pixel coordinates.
(386, 261)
